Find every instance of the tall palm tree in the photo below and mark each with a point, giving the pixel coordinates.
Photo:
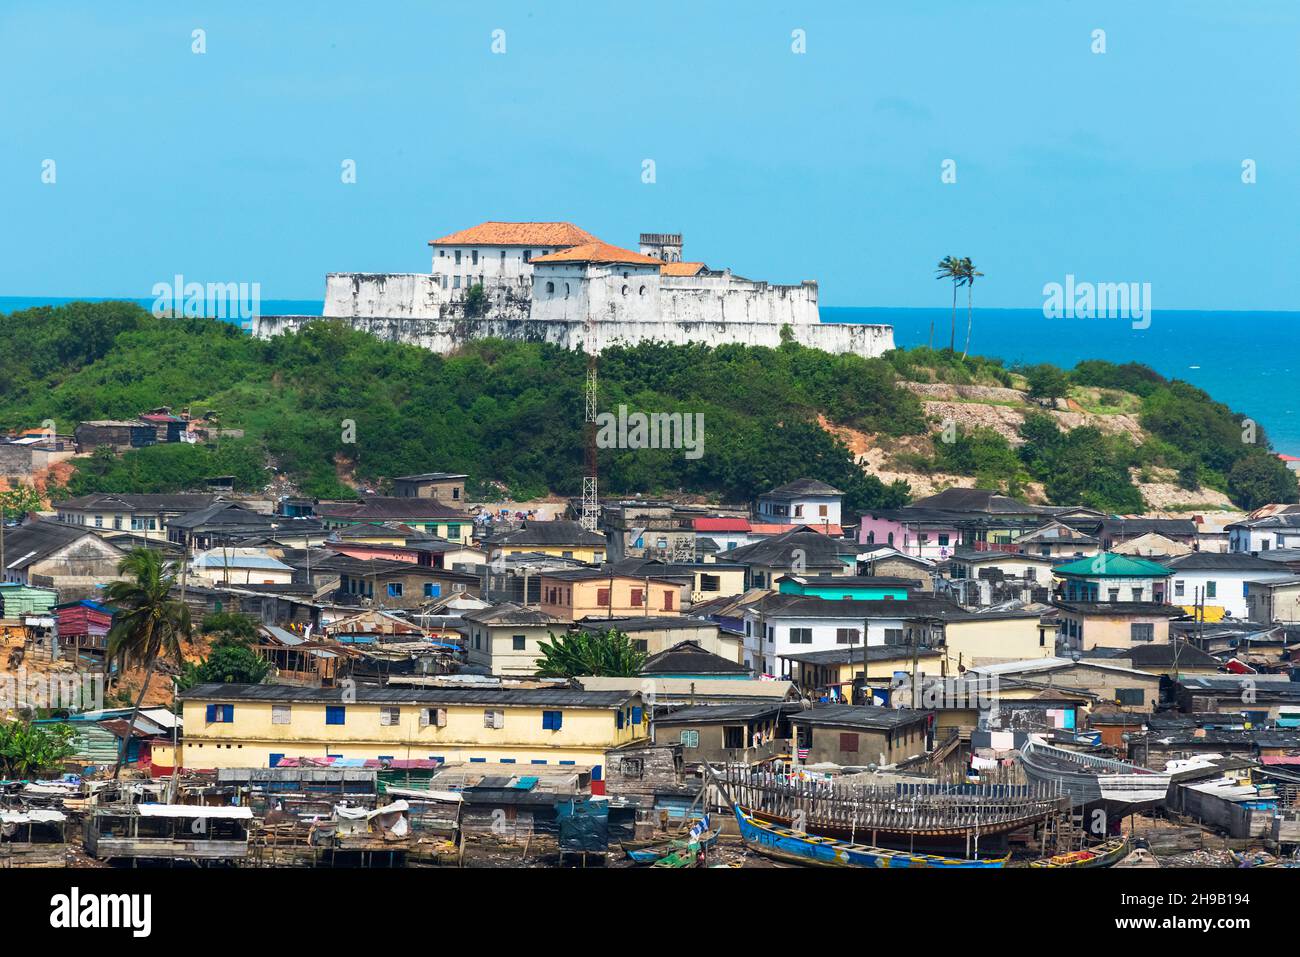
(149, 625)
(949, 268)
(969, 275)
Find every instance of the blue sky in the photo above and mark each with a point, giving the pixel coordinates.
(1124, 166)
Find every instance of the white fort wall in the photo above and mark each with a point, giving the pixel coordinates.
(448, 335)
(712, 298)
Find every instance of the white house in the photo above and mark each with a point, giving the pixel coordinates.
(241, 566)
(1260, 534)
(1221, 578)
(780, 625)
(801, 502)
(499, 253)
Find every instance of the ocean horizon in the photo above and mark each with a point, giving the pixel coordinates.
(1208, 348)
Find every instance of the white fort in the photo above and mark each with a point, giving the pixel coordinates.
(555, 282)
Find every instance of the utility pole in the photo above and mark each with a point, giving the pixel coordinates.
(865, 623)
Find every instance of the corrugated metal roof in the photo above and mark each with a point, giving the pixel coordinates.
(528, 697)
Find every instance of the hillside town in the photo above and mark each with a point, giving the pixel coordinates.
(415, 679)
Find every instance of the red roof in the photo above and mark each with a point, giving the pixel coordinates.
(720, 524)
(776, 528)
(517, 234)
(598, 252)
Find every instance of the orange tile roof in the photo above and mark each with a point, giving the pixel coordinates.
(517, 234)
(598, 252)
(682, 269)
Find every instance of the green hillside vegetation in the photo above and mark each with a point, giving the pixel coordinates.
(511, 412)
(1206, 443)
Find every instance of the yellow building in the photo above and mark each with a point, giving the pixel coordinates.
(558, 538)
(987, 638)
(243, 726)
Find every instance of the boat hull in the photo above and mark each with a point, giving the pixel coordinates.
(1104, 855)
(797, 847)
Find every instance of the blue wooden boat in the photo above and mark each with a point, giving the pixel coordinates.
(796, 847)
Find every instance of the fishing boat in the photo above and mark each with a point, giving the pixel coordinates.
(1105, 854)
(1139, 857)
(687, 856)
(1092, 780)
(651, 851)
(798, 847)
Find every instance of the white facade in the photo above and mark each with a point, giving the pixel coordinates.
(555, 302)
(769, 638)
(1223, 589)
(804, 510)
(1243, 539)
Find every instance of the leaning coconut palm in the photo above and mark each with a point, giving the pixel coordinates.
(969, 275)
(149, 625)
(949, 268)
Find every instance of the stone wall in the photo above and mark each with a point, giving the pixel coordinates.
(445, 335)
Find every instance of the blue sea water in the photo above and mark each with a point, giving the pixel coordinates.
(1247, 360)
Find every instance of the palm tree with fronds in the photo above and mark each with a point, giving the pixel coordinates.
(949, 268)
(149, 625)
(607, 653)
(969, 275)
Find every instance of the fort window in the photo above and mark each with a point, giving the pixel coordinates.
(473, 257)
(528, 255)
(566, 290)
(625, 290)
(643, 290)
(550, 287)
(458, 257)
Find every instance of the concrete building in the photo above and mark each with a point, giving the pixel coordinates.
(145, 515)
(67, 558)
(556, 282)
(446, 487)
(1223, 579)
(861, 734)
(801, 502)
(241, 726)
(505, 638)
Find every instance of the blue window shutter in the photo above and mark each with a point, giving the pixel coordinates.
(227, 712)
(507, 760)
(275, 760)
(537, 761)
(546, 720)
(636, 715)
(559, 720)
(618, 718)
(478, 760)
(596, 773)
(212, 713)
(568, 762)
